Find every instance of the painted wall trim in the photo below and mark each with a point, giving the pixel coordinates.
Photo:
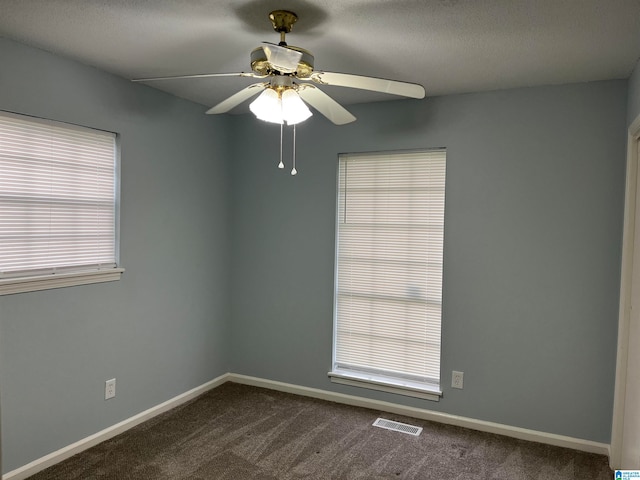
(9, 286)
(480, 425)
(624, 312)
(121, 427)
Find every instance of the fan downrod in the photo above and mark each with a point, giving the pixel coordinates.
(282, 21)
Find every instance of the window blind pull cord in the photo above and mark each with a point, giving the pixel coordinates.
(293, 170)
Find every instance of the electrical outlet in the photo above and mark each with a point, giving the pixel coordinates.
(457, 379)
(110, 389)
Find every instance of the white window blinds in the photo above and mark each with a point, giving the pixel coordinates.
(389, 267)
(57, 197)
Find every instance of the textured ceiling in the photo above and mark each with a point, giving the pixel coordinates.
(449, 46)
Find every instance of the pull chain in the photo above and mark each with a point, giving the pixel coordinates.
(281, 165)
(293, 170)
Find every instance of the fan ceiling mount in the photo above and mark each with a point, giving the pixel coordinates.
(282, 21)
(290, 80)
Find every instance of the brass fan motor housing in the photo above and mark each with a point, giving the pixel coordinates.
(261, 66)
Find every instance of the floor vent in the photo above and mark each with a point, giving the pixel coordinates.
(397, 426)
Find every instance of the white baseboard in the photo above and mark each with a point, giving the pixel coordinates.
(490, 427)
(423, 414)
(92, 440)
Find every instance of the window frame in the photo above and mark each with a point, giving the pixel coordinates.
(374, 380)
(32, 280)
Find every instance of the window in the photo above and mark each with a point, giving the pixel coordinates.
(58, 205)
(388, 297)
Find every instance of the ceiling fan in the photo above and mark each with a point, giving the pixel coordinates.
(290, 80)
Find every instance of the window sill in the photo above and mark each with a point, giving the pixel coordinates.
(366, 381)
(10, 286)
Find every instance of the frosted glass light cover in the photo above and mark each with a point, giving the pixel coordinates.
(268, 107)
(294, 109)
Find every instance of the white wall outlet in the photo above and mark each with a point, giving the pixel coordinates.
(457, 379)
(110, 389)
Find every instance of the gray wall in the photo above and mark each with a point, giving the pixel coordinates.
(532, 253)
(633, 95)
(534, 207)
(162, 329)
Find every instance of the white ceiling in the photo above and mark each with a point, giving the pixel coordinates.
(449, 46)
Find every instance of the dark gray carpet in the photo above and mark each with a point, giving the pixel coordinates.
(237, 432)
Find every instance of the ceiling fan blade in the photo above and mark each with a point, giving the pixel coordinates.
(374, 84)
(326, 105)
(237, 98)
(200, 75)
(283, 59)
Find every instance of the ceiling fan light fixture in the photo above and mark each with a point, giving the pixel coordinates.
(268, 107)
(294, 109)
(274, 107)
(284, 67)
